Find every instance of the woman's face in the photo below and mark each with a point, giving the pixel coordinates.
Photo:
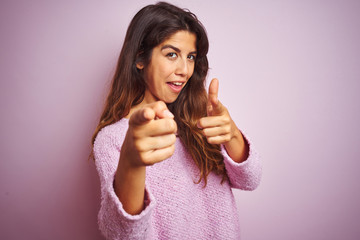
(172, 64)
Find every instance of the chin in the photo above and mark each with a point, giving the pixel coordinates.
(170, 100)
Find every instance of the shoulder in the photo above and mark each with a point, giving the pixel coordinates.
(112, 134)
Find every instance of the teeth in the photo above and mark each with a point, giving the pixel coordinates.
(177, 83)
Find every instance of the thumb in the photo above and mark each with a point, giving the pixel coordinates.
(213, 92)
(214, 105)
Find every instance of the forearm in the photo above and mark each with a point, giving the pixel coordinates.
(129, 186)
(237, 147)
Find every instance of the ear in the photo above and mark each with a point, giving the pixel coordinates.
(139, 65)
(138, 61)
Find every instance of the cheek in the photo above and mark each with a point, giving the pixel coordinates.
(191, 72)
(166, 70)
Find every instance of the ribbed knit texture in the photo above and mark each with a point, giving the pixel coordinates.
(176, 207)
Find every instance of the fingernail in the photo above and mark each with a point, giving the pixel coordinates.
(167, 113)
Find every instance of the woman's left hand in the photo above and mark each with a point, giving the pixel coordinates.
(219, 128)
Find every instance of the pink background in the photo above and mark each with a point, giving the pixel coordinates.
(289, 73)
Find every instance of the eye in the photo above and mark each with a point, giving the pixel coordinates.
(171, 55)
(192, 57)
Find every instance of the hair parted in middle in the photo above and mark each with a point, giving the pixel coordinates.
(151, 26)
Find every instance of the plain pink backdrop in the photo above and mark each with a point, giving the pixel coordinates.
(289, 73)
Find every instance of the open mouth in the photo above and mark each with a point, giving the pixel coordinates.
(175, 86)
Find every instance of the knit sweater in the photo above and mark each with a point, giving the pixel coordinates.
(175, 206)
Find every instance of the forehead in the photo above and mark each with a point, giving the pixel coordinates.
(182, 39)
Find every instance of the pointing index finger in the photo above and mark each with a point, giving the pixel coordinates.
(150, 112)
(142, 116)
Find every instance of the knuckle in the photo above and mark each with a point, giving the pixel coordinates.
(139, 145)
(170, 124)
(228, 128)
(167, 124)
(148, 112)
(205, 131)
(160, 104)
(201, 122)
(143, 157)
(175, 126)
(170, 151)
(226, 119)
(172, 138)
(146, 159)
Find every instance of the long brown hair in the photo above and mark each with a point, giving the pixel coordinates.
(151, 26)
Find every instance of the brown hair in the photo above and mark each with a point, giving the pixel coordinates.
(151, 26)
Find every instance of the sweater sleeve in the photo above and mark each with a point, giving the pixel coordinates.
(114, 221)
(245, 175)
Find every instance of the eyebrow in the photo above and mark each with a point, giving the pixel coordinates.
(174, 48)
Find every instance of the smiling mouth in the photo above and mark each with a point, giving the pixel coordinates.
(176, 83)
(175, 86)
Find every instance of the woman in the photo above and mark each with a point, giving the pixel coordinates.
(167, 152)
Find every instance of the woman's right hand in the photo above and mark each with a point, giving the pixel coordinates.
(151, 135)
(150, 139)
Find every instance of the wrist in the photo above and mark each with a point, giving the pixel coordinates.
(237, 147)
(126, 166)
(236, 132)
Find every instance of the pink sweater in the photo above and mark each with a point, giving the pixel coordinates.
(176, 207)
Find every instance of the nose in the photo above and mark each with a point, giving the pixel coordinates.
(182, 67)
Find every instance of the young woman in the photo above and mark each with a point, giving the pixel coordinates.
(167, 152)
